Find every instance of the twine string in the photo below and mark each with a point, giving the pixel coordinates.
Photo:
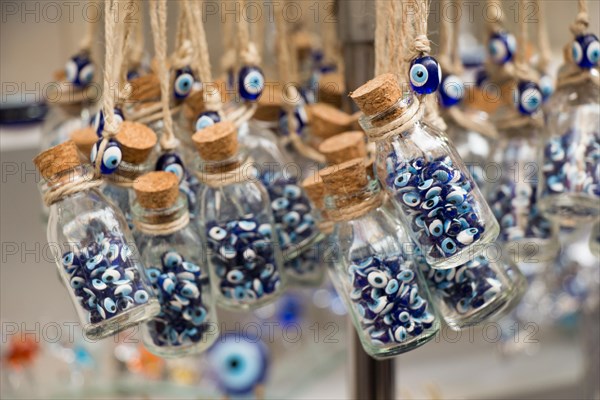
(355, 210)
(247, 49)
(241, 173)
(158, 20)
(88, 181)
(545, 53)
(90, 33)
(381, 23)
(164, 228)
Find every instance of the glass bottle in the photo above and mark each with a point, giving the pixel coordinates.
(62, 120)
(117, 187)
(570, 155)
(441, 206)
(595, 240)
(176, 266)
(93, 248)
(525, 232)
(236, 222)
(389, 305)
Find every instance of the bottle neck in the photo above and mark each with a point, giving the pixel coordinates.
(68, 183)
(354, 205)
(161, 221)
(395, 120)
(127, 173)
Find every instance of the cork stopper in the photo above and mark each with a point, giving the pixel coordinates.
(332, 88)
(345, 179)
(344, 147)
(217, 142)
(157, 190)
(377, 95)
(85, 138)
(315, 190)
(193, 106)
(145, 87)
(269, 105)
(57, 159)
(136, 140)
(327, 121)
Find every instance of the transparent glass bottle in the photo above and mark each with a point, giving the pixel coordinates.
(442, 208)
(389, 304)
(117, 187)
(595, 240)
(570, 155)
(62, 120)
(95, 255)
(176, 266)
(290, 206)
(527, 235)
(238, 226)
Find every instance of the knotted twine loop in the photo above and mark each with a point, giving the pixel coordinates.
(165, 228)
(87, 181)
(571, 74)
(241, 173)
(183, 55)
(247, 49)
(410, 115)
(356, 210)
(113, 61)
(158, 20)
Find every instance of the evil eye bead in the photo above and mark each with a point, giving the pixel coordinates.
(184, 82)
(111, 275)
(77, 282)
(502, 47)
(467, 236)
(377, 279)
(217, 233)
(529, 97)
(251, 83)
(546, 86)
(190, 291)
(586, 51)
(452, 90)
(141, 296)
(436, 228)
(448, 246)
(411, 199)
(110, 305)
(98, 120)
(171, 259)
(425, 75)
(206, 119)
(79, 70)
(240, 363)
(111, 159)
(171, 162)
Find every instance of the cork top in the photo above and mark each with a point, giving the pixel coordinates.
(270, 104)
(58, 159)
(326, 120)
(85, 138)
(378, 94)
(145, 87)
(345, 179)
(137, 141)
(315, 190)
(157, 190)
(344, 147)
(217, 142)
(194, 105)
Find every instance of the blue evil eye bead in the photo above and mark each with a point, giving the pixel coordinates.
(141, 296)
(171, 162)
(546, 86)
(171, 260)
(184, 82)
(239, 363)
(98, 120)
(300, 120)
(425, 75)
(528, 97)
(448, 246)
(502, 47)
(206, 119)
(481, 78)
(251, 83)
(452, 90)
(217, 233)
(111, 159)
(586, 51)
(79, 70)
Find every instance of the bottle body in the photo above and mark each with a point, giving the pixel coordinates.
(570, 156)
(176, 267)
(389, 305)
(244, 256)
(526, 233)
(441, 206)
(95, 255)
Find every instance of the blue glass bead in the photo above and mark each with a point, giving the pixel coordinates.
(481, 78)
(111, 159)
(586, 51)
(528, 97)
(171, 162)
(79, 70)
(184, 83)
(299, 123)
(206, 119)
(425, 75)
(502, 47)
(251, 82)
(98, 120)
(452, 90)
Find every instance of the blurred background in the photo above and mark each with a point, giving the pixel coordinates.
(547, 349)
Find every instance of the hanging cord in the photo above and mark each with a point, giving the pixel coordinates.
(544, 51)
(498, 73)
(381, 61)
(184, 50)
(128, 44)
(136, 50)
(229, 57)
(247, 49)
(90, 34)
(291, 97)
(212, 98)
(158, 20)
(112, 64)
(165, 228)
(571, 74)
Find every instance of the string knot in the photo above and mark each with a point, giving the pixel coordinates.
(183, 56)
(421, 44)
(250, 55)
(580, 26)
